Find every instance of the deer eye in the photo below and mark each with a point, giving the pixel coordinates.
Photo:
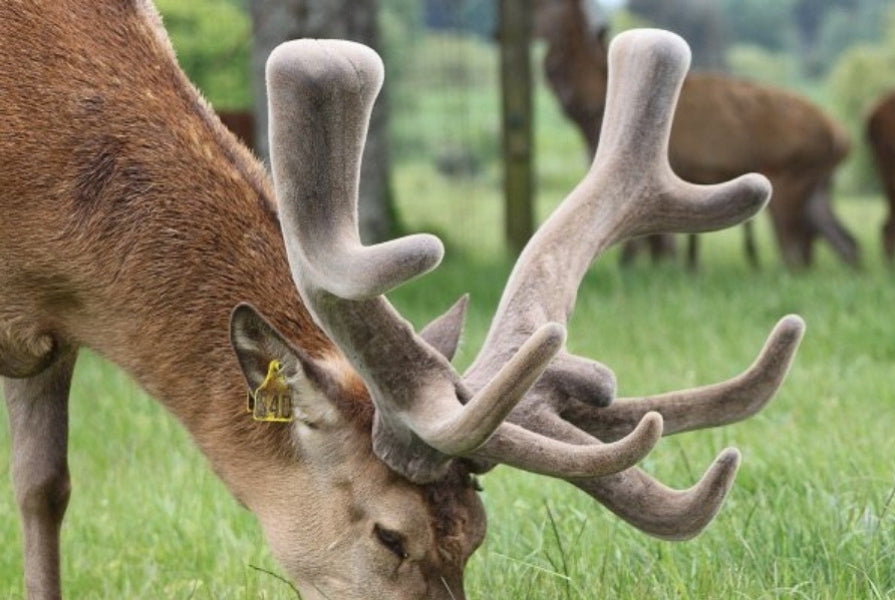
(392, 540)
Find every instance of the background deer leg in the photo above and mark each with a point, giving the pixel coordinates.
(693, 251)
(630, 249)
(889, 239)
(749, 245)
(825, 224)
(889, 226)
(790, 221)
(38, 421)
(662, 246)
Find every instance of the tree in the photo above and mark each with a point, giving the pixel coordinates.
(766, 24)
(276, 21)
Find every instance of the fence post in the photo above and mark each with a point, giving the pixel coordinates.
(516, 108)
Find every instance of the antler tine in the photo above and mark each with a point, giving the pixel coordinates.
(644, 502)
(321, 93)
(632, 494)
(646, 70)
(661, 511)
(708, 406)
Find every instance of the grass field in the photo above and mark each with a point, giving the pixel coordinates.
(808, 517)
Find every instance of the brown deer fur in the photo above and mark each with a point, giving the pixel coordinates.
(881, 135)
(723, 127)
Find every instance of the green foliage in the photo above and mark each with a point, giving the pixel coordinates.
(759, 64)
(815, 32)
(400, 26)
(767, 24)
(697, 21)
(467, 16)
(213, 44)
(623, 20)
(445, 104)
(859, 79)
(843, 28)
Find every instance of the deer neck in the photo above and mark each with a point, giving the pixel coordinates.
(157, 299)
(576, 70)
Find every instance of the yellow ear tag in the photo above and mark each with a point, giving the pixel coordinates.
(272, 400)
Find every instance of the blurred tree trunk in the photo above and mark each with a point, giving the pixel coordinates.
(516, 106)
(275, 21)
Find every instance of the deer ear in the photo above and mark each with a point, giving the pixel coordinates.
(257, 343)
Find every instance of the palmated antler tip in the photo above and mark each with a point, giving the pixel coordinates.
(758, 183)
(423, 249)
(369, 271)
(702, 502)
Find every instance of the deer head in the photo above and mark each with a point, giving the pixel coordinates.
(397, 515)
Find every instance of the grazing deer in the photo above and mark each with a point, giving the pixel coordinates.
(135, 224)
(723, 127)
(881, 135)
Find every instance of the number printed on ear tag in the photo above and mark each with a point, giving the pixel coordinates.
(272, 400)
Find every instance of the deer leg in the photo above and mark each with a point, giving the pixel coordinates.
(749, 245)
(794, 240)
(824, 223)
(889, 239)
(692, 252)
(38, 421)
(630, 249)
(661, 246)
(790, 221)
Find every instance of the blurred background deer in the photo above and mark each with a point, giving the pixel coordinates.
(723, 127)
(881, 137)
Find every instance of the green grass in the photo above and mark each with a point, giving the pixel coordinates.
(809, 515)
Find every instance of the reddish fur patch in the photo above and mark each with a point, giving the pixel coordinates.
(448, 501)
